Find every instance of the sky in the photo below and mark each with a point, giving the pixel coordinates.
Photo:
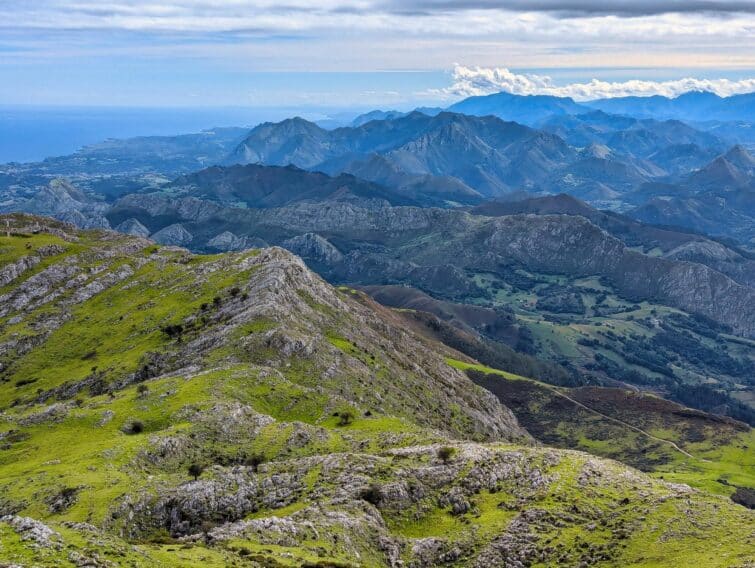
(366, 53)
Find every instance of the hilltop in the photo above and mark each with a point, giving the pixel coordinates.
(162, 408)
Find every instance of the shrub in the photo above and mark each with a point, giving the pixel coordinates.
(254, 460)
(134, 427)
(151, 365)
(744, 496)
(195, 470)
(446, 453)
(372, 494)
(142, 390)
(63, 499)
(345, 417)
(174, 331)
(161, 536)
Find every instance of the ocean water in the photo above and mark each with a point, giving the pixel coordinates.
(29, 134)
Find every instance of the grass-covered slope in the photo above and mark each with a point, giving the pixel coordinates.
(164, 409)
(660, 437)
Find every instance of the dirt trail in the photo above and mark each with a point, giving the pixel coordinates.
(635, 428)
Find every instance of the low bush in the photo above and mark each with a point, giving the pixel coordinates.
(345, 417)
(133, 427)
(195, 470)
(446, 453)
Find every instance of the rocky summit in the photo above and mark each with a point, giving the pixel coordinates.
(159, 408)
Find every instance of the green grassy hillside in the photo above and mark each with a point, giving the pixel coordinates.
(657, 436)
(164, 409)
(585, 325)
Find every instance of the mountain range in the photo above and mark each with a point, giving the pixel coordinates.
(675, 173)
(693, 106)
(519, 331)
(453, 205)
(470, 209)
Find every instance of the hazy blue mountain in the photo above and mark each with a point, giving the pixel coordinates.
(694, 106)
(529, 109)
(717, 199)
(682, 158)
(728, 214)
(426, 188)
(259, 186)
(734, 169)
(650, 136)
(487, 154)
(169, 155)
(734, 132)
(391, 115)
(377, 115)
(428, 159)
(629, 135)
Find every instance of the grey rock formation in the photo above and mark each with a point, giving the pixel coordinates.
(174, 234)
(62, 200)
(33, 531)
(227, 241)
(315, 247)
(84, 221)
(563, 244)
(133, 227)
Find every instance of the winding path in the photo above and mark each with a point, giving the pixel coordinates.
(635, 428)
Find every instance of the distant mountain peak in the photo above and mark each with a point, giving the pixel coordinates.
(740, 157)
(720, 173)
(596, 151)
(526, 109)
(698, 95)
(698, 105)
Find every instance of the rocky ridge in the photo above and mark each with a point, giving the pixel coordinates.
(546, 243)
(324, 432)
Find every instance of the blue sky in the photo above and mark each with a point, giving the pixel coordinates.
(365, 53)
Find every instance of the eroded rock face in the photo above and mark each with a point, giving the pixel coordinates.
(82, 221)
(564, 244)
(10, 272)
(353, 494)
(64, 201)
(227, 241)
(310, 245)
(133, 227)
(36, 533)
(175, 235)
(718, 257)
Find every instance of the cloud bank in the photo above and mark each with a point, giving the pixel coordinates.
(475, 81)
(456, 17)
(110, 50)
(579, 8)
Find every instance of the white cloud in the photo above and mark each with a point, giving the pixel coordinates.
(472, 81)
(369, 35)
(583, 18)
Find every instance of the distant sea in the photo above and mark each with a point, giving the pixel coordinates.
(29, 134)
